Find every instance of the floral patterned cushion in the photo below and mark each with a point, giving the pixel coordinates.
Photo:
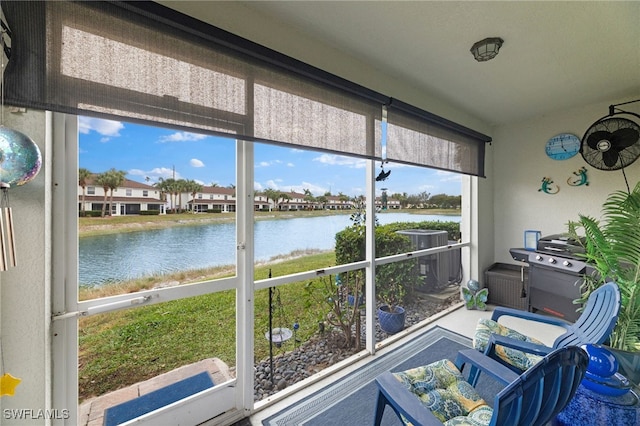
(518, 359)
(443, 390)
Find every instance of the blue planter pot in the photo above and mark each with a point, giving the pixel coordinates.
(391, 322)
(351, 299)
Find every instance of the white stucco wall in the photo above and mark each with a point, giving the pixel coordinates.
(24, 290)
(520, 162)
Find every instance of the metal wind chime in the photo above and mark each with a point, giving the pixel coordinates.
(20, 161)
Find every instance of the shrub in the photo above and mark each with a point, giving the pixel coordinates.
(149, 212)
(393, 280)
(90, 213)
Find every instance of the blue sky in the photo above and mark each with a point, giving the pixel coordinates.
(154, 152)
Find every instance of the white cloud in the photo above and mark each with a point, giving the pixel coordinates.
(103, 127)
(199, 182)
(341, 160)
(196, 163)
(290, 165)
(155, 174)
(268, 163)
(448, 176)
(273, 183)
(182, 137)
(257, 186)
(315, 189)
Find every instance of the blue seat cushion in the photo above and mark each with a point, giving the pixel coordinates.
(442, 389)
(518, 359)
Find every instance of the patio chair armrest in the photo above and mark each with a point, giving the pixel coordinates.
(529, 347)
(485, 364)
(403, 401)
(531, 316)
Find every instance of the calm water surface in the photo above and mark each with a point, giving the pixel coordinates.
(118, 257)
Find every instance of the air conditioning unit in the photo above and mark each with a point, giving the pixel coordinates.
(435, 267)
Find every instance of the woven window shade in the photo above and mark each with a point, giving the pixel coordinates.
(417, 137)
(118, 61)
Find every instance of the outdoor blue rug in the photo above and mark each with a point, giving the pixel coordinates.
(351, 400)
(151, 401)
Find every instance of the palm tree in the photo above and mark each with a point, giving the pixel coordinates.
(193, 187)
(282, 197)
(181, 186)
(169, 186)
(322, 199)
(612, 246)
(161, 184)
(83, 177)
(342, 198)
(115, 179)
(272, 195)
(309, 198)
(103, 180)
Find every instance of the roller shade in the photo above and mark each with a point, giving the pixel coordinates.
(416, 137)
(118, 60)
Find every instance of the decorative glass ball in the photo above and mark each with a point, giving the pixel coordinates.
(602, 362)
(20, 159)
(473, 285)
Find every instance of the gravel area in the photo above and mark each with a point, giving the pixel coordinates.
(324, 349)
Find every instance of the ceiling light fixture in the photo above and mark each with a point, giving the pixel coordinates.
(486, 49)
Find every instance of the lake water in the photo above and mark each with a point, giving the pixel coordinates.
(118, 257)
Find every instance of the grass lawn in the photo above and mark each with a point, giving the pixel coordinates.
(121, 348)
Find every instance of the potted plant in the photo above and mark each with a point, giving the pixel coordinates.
(612, 247)
(390, 314)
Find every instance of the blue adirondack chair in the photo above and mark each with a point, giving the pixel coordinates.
(438, 393)
(520, 352)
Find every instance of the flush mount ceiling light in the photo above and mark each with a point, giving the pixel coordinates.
(486, 49)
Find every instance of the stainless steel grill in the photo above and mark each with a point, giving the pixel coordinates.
(554, 282)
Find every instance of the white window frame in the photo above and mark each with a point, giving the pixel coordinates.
(221, 400)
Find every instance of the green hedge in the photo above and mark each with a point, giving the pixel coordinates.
(90, 213)
(149, 212)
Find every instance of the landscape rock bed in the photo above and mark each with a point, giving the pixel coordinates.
(323, 350)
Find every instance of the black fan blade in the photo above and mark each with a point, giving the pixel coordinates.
(610, 158)
(624, 138)
(596, 137)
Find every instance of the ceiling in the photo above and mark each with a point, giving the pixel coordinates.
(556, 55)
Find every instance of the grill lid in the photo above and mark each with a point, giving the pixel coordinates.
(561, 245)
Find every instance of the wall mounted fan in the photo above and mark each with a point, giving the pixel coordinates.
(612, 142)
